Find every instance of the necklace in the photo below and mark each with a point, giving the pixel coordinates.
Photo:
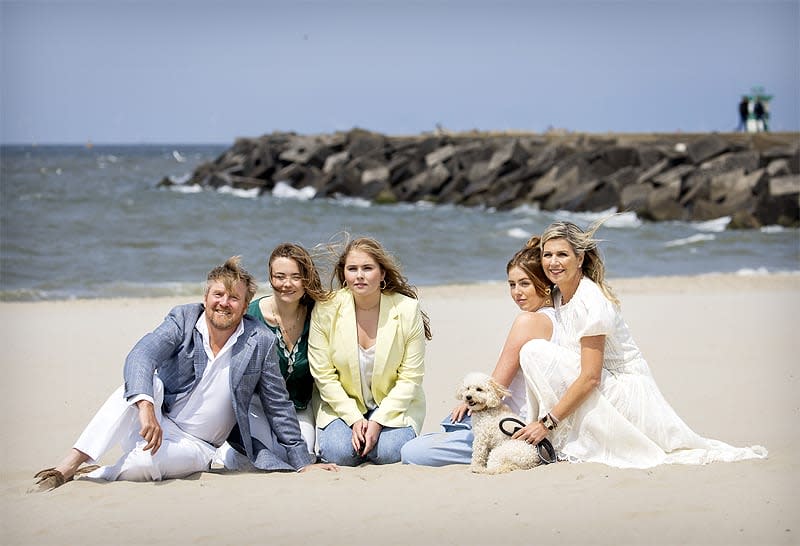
(286, 330)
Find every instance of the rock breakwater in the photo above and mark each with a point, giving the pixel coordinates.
(754, 179)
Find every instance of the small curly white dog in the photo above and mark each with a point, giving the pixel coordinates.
(493, 452)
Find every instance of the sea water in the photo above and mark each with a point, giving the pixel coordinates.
(85, 222)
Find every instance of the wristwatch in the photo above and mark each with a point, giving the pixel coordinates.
(548, 422)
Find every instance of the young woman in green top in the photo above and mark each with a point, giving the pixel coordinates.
(296, 287)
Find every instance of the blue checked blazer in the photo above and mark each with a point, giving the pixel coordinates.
(175, 350)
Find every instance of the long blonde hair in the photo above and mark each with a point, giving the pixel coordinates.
(583, 243)
(393, 281)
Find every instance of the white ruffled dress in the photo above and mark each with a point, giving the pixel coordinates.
(625, 422)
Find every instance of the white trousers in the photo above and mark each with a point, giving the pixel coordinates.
(261, 431)
(117, 422)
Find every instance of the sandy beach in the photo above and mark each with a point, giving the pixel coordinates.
(723, 349)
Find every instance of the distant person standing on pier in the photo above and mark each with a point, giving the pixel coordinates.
(744, 112)
(758, 111)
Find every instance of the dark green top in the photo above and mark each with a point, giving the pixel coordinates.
(294, 363)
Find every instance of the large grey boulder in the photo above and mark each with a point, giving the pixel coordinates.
(705, 148)
(508, 157)
(663, 203)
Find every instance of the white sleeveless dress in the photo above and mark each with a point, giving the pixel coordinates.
(520, 400)
(625, 422)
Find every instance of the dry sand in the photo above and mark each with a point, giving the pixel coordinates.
(723, 349)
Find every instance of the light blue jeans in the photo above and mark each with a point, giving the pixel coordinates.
(453, 446)
(336, 444)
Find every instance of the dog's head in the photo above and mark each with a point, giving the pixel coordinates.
(479, 391)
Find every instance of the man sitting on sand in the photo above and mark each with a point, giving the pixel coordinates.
(188, 387)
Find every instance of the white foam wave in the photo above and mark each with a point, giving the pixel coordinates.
(753, 272)
(236, 192)
(532, 208)
(183, 188)
(518, 233)
(744, 272)
(692, 239)
(717, 225)
(182, 179)
(352, 201)
(283, 190)
(178, 156)
(415, 206)
(772, 229)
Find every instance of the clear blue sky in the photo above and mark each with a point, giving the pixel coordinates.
(170, 71)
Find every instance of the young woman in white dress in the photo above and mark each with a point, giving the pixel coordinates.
(530, 290)
(598, 401)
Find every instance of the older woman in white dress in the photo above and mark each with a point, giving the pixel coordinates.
(598, 400)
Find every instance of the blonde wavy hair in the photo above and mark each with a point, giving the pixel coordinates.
(229, 274)
(583, 243)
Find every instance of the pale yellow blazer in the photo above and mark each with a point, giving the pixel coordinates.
(399, 362)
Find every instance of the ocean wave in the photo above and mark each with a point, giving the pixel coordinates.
(237, 192)
(717, 225)
(752, 272)
(282, 190)
(34, 196)
(744, 272)
(692, 239)
(348, 201)
(772, 229)
(184, 188)
(527, 209)
(415, 206)
(181, 179)
(518, 233)
(110, 290)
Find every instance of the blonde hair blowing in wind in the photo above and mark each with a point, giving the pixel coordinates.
(583, 243)
(229, 274)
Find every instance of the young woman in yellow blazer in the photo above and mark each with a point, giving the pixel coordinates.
(366, 351)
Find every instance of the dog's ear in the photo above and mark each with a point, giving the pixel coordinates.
(496, 393)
